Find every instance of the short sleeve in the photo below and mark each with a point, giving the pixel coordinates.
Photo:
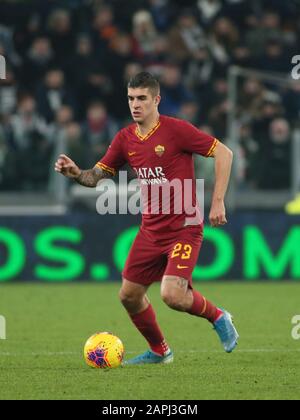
(191, 139)
(114, 158)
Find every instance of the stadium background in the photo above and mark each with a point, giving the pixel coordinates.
(224, 65)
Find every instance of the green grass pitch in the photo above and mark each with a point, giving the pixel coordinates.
(47, 326)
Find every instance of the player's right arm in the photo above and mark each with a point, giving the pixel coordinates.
(87, 178)
(107, 167)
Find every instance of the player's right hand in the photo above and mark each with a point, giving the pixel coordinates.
(67, 167)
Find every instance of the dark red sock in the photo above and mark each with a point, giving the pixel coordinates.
(203, 308)
(146, 323)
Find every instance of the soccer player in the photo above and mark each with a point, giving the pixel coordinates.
(166, 249)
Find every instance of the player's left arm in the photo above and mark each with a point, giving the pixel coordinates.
(223, 161)
(192, 140)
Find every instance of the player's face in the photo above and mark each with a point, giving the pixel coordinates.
(142, 104)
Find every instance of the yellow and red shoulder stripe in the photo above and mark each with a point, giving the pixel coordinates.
(106, 168)
(213, 147)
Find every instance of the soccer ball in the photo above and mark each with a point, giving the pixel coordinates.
(103, 350)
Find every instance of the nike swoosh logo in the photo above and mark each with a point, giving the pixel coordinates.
(180, 267)
(131, 153)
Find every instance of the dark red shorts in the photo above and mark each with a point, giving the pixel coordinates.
(154, 255)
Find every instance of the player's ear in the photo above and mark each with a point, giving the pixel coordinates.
(157, 100)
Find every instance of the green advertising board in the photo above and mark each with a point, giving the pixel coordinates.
(82, 247)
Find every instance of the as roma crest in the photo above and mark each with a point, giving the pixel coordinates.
(159, 150)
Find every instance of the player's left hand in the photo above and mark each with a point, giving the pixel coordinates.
(217, 215)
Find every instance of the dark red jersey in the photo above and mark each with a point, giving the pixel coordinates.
(163, 156)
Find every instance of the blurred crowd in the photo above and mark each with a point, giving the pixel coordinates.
(68, 63)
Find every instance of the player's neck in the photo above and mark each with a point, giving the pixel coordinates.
(148, 124)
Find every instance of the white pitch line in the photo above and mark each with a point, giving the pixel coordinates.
(70, 353)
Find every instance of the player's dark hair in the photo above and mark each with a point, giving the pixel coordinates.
(145, 80)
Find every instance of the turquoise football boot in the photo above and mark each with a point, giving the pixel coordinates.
(226, 331)
(150, 358)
